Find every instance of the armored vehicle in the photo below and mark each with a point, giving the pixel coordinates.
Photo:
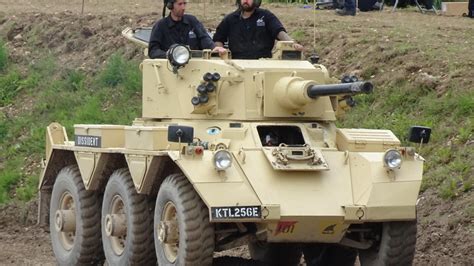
(230, 153)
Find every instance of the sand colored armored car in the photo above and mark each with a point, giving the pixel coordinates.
(229, 153)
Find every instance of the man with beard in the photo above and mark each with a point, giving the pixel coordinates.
(250, 31)
(178, 28)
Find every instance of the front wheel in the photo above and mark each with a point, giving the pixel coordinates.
(396, 246)
(182, 231)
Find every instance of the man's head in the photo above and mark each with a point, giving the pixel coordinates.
(249, 5)
(177, 7)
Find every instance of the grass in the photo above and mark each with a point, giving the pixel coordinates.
(3, 56)
(297, 35)
(67, 96)
(9, 87)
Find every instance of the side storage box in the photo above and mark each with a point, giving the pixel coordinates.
(99, 136)
(370, 140)
(147, 138)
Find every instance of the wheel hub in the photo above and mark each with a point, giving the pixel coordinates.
(168, 232)
(115, 225)
(65, 220)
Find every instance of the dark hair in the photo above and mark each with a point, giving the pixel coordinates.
(256, 3)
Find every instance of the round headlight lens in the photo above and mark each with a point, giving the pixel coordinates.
(180, 55)
(392, 159)
(222, 160)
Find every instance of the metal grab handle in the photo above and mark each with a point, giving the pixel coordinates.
(299, 158)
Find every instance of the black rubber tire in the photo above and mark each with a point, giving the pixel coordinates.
(327, 254)
(87, 248)
(138, 248)
(275, 253)
(396, 247)
(196, 233)
(207, 237)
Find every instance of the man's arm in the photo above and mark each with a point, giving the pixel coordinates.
(205, 41)
(283, 36)
(277, 29)
(221, 36)
(154, 47)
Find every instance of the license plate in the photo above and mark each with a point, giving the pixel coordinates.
(246, 212)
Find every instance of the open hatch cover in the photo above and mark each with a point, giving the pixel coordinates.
(140, 36)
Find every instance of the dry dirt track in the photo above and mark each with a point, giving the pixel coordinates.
(443, 239)
(24, 243)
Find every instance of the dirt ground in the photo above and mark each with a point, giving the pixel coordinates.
(442, 239)
(445, 233)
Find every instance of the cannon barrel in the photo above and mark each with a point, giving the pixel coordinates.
(352, 88)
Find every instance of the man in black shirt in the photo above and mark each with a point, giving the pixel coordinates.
(250, 31)
(177, 28)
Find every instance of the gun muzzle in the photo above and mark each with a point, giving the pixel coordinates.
(353, 88)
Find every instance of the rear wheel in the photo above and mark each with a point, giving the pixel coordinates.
(275, 253)
(182, 231)
(326, 255)
(396, 246)
(74, 220)
(126, 230)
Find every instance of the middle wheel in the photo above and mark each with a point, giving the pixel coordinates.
(182, 232)
(126, 223)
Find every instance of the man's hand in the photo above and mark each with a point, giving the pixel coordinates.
(220, 50)
(298, 47)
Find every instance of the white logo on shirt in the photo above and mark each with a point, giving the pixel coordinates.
(261, 22)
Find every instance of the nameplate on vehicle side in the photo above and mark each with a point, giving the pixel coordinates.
(244, 212)
(87, 141)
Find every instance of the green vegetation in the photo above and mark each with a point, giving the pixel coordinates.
(9, 79)
(64, 95)
(298, 35)
(3, 56)
(9, 87)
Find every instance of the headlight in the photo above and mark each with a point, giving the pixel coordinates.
(178, 55)
(222, 160)
(392, 159)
